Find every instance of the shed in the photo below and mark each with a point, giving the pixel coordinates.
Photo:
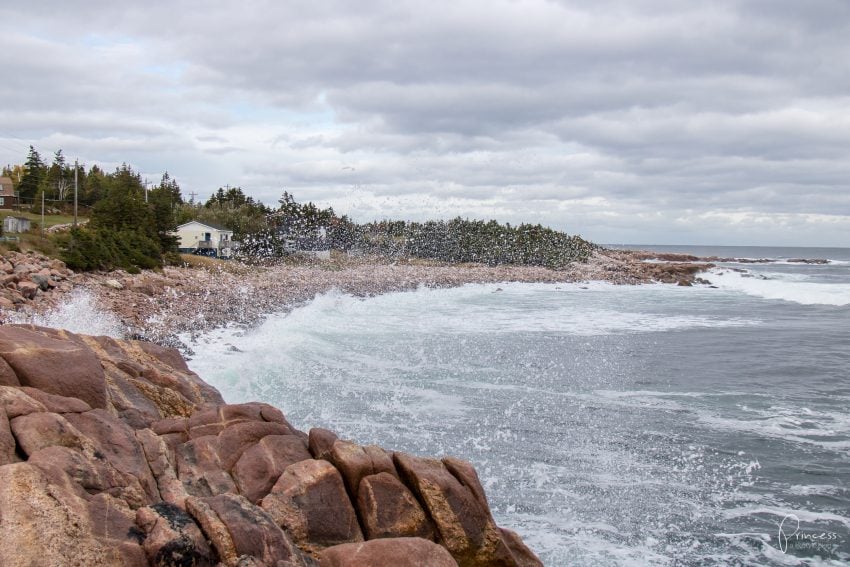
(16, 224)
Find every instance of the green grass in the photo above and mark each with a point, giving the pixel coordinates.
(49, 220)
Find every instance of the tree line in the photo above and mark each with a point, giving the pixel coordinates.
(132, 224)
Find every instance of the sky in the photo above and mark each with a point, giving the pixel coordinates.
(639, 121)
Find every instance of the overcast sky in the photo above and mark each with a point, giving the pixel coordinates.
(659, 121)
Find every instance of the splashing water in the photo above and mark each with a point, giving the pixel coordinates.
(78, 313)
(648, 425)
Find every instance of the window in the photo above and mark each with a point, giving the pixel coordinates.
(2, 201)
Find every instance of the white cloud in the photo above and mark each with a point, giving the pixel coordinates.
(643, 121)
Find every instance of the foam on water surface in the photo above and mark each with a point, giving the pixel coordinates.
(786, 287)
(600, 434)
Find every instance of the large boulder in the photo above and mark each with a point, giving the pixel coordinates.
(463, 522)
(355, 462)
(57, 363)
(388, 509)
(310, 502)
(239, 530)
(398, 552)
(259, 466)
(321, 443)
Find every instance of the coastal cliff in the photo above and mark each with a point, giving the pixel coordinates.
(114, 452)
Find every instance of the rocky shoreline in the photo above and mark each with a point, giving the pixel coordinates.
(115, 453)
(158, 305)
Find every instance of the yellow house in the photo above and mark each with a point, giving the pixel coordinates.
(207, 239)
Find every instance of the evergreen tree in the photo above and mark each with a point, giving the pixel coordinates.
(33, 175)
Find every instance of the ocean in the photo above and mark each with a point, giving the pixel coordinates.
(610, 425)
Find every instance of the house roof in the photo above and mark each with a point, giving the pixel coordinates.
(206, 224)
(25, 219)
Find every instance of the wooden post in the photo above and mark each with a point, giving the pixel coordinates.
(76, 166)
(42, 214)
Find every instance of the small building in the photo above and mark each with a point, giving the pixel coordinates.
(16, 224)
(8, 200)
(205, 239)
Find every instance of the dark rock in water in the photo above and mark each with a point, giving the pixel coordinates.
(115, 453)
(809, 261)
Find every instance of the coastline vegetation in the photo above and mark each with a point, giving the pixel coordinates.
(131, 225)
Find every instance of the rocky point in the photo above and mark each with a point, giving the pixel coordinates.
(115, 453)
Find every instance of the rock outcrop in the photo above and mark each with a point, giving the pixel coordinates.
(115, 453)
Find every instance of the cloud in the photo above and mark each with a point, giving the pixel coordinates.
(651, 120)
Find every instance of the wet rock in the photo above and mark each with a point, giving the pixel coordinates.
(310, 502)
(237, 528)
(55, 365)
(235, 439)
(172, 538)
(261, 465)
(388, 509)
(355, 462)
(521, 553)
(213, 420)
(321, 443)
(398, 552)
(463, 523)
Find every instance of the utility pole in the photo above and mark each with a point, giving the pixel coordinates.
(76, 167)
(42, 214)
(192, 195)
(146, 190)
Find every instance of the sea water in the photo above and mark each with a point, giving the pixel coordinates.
(610, 425)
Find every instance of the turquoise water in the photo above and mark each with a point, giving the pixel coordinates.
(648, 425)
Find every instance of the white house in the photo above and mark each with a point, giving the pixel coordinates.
(207, 239)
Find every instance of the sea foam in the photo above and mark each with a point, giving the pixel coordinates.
(781, 287)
